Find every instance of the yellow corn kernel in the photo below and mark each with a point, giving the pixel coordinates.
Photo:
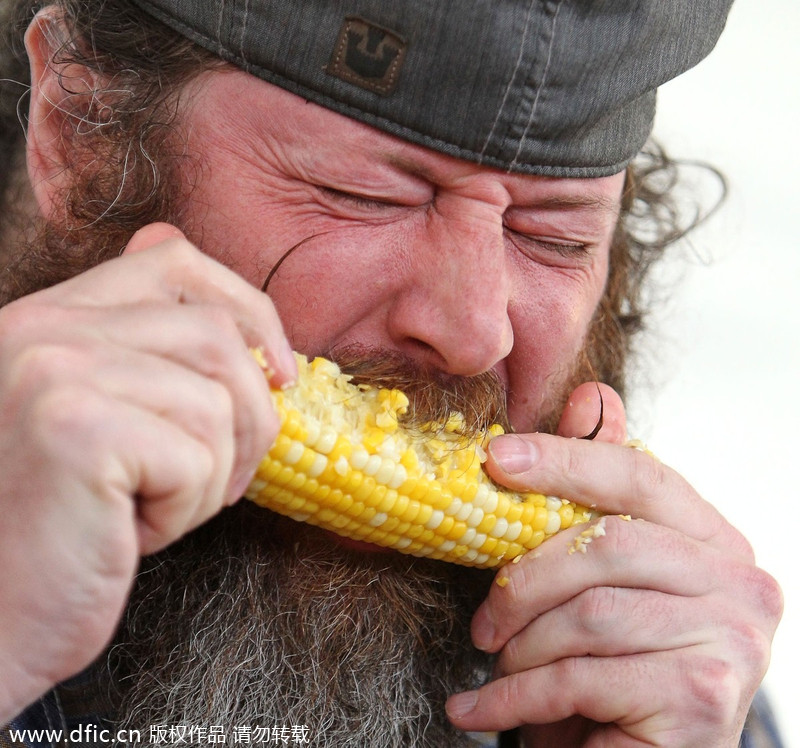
(342, 463)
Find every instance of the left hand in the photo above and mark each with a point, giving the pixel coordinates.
(658, 635)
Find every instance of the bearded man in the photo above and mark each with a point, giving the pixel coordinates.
(440, 196)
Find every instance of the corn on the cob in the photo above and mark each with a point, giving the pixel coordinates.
(342, 462)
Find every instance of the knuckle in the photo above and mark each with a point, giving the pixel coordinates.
(42, 365)
(180, 255)
(219, 341)
(193, 491)
(202, 473)
(621, 539)
(505, 695)
(646, 475)
(713, 689)
(772, 601)
(62, 412)
(569, 671)
(212, 423)
(573, 461)
(514, 652)
(219, 320)
(516, 595)
(597, 611)
(734, 540)
(768, 594)
(218, 408)
(178, 266)
(754, 645)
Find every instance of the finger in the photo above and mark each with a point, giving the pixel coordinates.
(180, 488)
(631, 554)
(606, 622)
(614, 479)
(207, 345)
(234, 417)
(152, 234)
(590, 405)
(140, 353)
(628, 691)
(112, 458)
(198, 407)
(197, 279)
(174, 272)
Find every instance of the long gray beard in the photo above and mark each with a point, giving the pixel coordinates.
(255, 622)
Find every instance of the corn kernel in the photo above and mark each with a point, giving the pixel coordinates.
(342, 462)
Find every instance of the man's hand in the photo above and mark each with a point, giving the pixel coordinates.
(132, 411)
(658, 635)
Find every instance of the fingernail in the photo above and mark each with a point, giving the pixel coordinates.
(483, 632)
(461, 704)
(289, 362)
(513, 454)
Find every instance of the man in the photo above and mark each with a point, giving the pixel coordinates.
(443, 193)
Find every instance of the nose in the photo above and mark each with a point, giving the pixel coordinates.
(452, 311)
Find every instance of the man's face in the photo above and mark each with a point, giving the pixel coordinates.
(396, 249)
(459, 267)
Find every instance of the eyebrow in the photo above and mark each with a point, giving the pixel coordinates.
(410, 166)
(602, 203)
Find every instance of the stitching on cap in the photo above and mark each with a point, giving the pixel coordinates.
(244, 29)
(220, 47)
(511, 79)
(541, 86)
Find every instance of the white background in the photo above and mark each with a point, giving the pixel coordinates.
(725, 405)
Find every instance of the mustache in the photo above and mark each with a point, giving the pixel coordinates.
(434, 396)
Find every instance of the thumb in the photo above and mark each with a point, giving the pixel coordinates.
(582, 413)
(152, 234)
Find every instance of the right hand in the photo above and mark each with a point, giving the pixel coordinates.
(131, 411)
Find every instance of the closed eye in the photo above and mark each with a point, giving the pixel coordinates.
(353, 198)
(529, 244)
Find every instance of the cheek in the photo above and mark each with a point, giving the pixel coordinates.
(334, 286)
(553, 312)
(331, 279)
(551, 319)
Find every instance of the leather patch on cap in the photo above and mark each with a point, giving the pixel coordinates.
(367, 55)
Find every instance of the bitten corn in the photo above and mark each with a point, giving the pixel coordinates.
(343, 462)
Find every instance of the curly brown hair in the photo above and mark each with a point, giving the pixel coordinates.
(131, 120)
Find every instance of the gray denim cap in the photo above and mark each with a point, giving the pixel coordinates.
(561, 88)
